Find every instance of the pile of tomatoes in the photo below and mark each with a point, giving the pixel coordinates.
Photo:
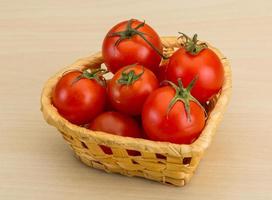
(150, 96)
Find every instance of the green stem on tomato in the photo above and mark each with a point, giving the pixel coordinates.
(192, 45)
(184, 95)
(95, 74)
(128, 78)
(130, 32)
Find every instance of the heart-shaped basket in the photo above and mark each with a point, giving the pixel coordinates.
(160, 161)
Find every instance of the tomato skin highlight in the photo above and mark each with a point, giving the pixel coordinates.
(78, 102)
(132, 50)
(206, 65)
(129, 99)
(174, 127)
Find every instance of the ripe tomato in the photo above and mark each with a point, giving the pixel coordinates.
(116, 124)
(130, 87)
(108, 106)
(78, 97)
(196, 60)
(161, 73)
(131, 42)
(172, 114)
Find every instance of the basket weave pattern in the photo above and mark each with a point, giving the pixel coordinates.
(160, 161)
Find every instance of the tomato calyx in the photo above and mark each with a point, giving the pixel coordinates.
(130, 32)
(192, 45)
(95, 74)
(128, 78)
(183, 95)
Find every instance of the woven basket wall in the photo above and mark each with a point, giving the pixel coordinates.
(160, 161)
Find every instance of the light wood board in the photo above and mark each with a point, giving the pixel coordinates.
(37, 38)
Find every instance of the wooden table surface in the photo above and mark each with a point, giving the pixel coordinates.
(37, 38)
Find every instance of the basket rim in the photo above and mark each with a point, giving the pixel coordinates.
(53, 118)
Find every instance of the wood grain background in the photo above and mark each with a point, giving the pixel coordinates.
(37, 38)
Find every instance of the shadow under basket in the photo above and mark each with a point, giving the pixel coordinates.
(160, 161)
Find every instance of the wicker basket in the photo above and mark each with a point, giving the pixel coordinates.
(160, 161)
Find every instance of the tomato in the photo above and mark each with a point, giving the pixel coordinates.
(130, 87)
(108, 106)
(172, 114)
(78, 97)
(116, 124)
(161, 73)
(196, 59)
(131, 42)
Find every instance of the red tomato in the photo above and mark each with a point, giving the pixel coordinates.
(130, 87)
(171, 114)
(195, 60)
(161, 74)
(78, 98)
(131, 42)
(116, 124)
(108, 106)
